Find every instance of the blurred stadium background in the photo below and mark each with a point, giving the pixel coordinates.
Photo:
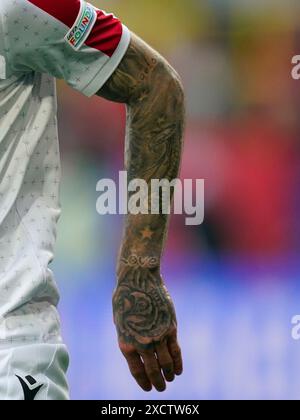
(234, 279)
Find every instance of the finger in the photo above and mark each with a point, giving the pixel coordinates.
(153, 371)
(165, 361)
(175, 353)
(138, 371)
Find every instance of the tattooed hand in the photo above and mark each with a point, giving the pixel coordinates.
(146, 323)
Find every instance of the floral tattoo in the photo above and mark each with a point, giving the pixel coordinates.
(143, 310)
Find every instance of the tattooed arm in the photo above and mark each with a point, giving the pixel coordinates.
(143, 311)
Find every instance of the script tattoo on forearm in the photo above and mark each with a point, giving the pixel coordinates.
(154, 138)
(135, 261)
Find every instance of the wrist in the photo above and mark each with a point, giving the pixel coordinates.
(136, 260)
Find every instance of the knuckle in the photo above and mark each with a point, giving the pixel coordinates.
(173, 332)
(146, 353)
(126, 350)
(154, 372)
(168, 367)
(177, 353)
(138, 374)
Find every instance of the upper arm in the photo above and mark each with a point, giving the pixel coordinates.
(70, 40)
(141, 72)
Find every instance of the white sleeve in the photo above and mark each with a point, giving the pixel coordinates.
(70, 40)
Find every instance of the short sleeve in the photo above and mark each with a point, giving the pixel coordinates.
(71, 40)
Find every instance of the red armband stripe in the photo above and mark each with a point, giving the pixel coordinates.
(64, 10)
(106, 33)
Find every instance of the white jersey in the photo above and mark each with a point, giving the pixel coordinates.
(40, 40)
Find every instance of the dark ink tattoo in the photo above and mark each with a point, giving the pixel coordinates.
(143, 310)
(143, 262)
(153, 93)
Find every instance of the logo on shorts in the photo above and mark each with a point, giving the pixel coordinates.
(83, 26)
(30, 388)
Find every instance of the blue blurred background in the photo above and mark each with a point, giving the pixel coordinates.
(235, 278)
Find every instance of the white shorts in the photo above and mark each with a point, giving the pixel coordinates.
(33, 359)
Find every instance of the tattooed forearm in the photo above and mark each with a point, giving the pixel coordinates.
(154, 138)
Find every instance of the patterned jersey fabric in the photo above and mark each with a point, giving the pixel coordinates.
(40, 40)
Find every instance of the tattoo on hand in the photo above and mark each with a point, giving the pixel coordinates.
(143, 310)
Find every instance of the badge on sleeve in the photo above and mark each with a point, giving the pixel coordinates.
(83, 26)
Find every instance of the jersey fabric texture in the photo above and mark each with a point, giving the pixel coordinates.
(40, 40)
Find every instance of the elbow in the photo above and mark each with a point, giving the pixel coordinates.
(175, 87)
(171, 93)
(161, 90)
(168, 83)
